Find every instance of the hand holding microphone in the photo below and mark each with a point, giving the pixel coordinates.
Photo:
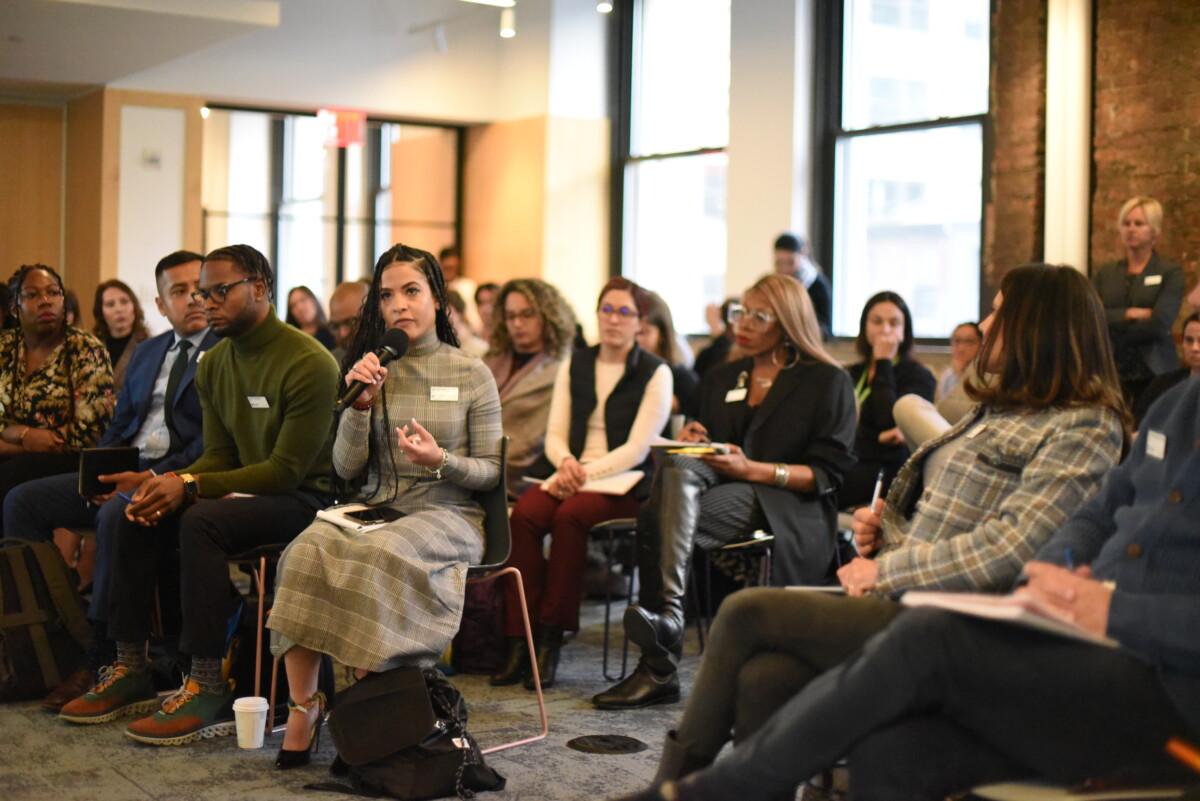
(368, 373)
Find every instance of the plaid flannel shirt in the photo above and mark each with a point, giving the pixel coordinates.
(1015, 479)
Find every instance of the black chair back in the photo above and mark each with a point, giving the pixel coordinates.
(498, 537)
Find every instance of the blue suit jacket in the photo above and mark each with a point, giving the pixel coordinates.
(133, 404)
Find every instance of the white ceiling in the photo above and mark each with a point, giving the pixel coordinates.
(58, 49)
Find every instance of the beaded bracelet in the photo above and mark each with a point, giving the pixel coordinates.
(436, 472)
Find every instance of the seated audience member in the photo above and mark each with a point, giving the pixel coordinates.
(345, 307)
(485, 304)
(530, 338)
(937, 702)
(919, 420)
(1142, 294)
(159, 412)
(304, 312)
(71, 308)
(266, 392)
(56, 388)
(792, 258)
(120, 324)
(965, 513)
(1160, 385)
(451, 263)
(609, 402)
(467, 340)
(786, 409)
(887, 371)
(656, 335)
(964, 346)
(717, 350)
(392, 595)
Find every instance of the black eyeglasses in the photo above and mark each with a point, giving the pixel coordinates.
(219, 292)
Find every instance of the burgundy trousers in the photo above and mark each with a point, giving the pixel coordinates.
(552, 586)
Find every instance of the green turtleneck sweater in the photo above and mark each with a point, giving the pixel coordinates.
(267, 397)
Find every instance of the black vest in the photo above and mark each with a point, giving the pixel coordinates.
(621, 407)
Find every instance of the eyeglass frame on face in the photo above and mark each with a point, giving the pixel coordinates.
(35, 295)
(738, 314)
(525, 314)
(622, 312)
(219, 292)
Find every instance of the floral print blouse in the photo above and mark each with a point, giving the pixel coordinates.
(71, 393)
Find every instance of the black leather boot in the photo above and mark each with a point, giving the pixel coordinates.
(516, 662)
(643, 687)
(550, 641)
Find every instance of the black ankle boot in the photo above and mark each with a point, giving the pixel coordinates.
(549, 644)
(643, 687)
(516, 662)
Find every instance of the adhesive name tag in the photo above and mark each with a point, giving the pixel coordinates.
(735, 395)
(200, 355)
(1156, 445)
(1153, 280)
(443, 393)
(258, 402)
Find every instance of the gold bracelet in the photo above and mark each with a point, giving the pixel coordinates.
(21, 439)
(781, 475)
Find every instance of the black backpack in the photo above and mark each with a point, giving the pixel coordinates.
(43, 624)
(403, 734)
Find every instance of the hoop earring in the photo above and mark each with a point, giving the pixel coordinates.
(795, 356)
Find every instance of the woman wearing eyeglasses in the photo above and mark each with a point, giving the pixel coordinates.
(529, 339)
(56, 385)
(609, 402)
(786, 410)
(885, 372)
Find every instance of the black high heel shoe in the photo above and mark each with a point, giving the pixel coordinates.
(516, 663)
(295, 759)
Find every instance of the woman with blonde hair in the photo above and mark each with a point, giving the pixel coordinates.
(1142, 294)
(786, 410)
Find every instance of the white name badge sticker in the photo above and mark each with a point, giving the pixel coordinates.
(443, 394)
(200, 356)
(1153, 280)
(1156, 445)
(735, 395)
(258, 402)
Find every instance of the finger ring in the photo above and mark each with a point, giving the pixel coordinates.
(158, 513)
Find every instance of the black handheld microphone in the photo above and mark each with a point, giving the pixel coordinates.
(394, 345)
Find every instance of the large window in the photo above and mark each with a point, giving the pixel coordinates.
(907, 133)
(674, 200)
(323, 214)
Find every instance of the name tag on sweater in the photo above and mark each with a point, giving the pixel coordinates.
(443, 394)
(258, 402)
(1153, 280)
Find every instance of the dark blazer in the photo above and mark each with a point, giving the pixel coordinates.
(133, 405)
(807, 417)
(1152, 337)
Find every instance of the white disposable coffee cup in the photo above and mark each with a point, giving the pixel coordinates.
(251, 716)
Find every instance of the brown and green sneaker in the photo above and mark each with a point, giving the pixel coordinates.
(119, 692)
(186, 716)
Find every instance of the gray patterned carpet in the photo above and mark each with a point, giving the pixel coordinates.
(45, 760)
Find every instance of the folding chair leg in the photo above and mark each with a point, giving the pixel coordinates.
(537, 684)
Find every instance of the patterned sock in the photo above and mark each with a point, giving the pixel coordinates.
(133, 656)
(206, 671)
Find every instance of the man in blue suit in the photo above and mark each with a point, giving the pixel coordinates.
(167, 430)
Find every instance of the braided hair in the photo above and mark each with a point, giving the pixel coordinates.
(372, 326)
(17, 281)
(248, 261)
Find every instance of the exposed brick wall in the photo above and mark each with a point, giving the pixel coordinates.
(1014, 223)
(1146, 128)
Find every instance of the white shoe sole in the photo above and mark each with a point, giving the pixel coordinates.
(150, 705)
(212, 730)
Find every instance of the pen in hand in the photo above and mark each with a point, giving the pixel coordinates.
(1069, 558)
(878, 490)
(125, 496)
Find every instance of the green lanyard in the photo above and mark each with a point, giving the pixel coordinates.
(863, 390)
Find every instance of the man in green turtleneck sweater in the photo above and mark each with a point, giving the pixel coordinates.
(267, 392)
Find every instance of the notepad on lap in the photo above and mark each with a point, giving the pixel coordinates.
(616, 484)
(676, 446)
(1019, 609)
